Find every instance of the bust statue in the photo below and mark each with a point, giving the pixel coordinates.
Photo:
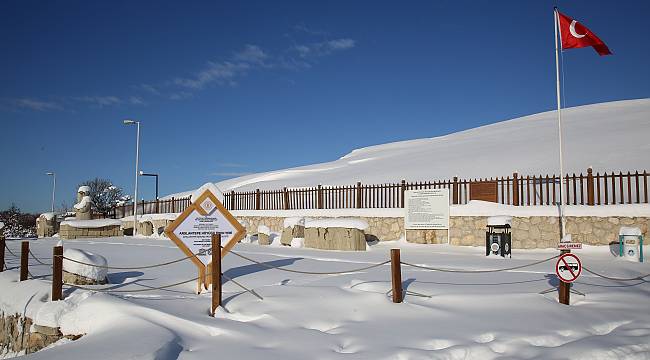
(83, 207)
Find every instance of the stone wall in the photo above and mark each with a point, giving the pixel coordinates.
(69, 232)
(527, 232)
(17, 334)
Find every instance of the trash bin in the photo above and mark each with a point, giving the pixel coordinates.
(498, 239)
(630, 244)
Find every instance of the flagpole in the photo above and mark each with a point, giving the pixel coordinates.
(559, 124)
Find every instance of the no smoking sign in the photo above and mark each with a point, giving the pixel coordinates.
(568, 267)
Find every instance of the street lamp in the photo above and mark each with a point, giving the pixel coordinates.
(137, 160)
(142, 173)
(53, 175)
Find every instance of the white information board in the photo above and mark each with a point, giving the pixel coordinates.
(196, 233)
(426, 209)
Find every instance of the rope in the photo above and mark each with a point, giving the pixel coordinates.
(310, 272)
(616, 279)
(132, 291)
(478, 271)
(11, 252)
(37, 259)
(130, 268)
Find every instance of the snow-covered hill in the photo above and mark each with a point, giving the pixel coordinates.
(609, 136)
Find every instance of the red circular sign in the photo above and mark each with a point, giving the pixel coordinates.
(568, 267)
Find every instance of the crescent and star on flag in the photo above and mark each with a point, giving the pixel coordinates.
(575, 35)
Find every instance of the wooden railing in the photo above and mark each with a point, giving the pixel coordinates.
(531, 190)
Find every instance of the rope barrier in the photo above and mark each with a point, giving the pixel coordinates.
(616, 279)
(37, 259)
(310, 272)
(11, 252)
(479, 271)
(108, 290)
(130, 268)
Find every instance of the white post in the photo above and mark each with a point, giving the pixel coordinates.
(53, 191)
(135, 196)
(559, 121)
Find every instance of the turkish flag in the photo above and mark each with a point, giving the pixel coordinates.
(576, 35)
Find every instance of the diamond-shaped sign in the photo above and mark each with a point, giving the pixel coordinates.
(193, 229)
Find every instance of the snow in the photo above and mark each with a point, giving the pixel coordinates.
(298, 242)
(84, 201)
(87, 271)
(499, 220)
(527, 145)
(48, 215)
(348, 223)
(152, 217)
(462, 316)
(207, 186)
(263, 229)
(629, 231)
(90, 224)
(2, 225)
(293, 221)
(84, 189)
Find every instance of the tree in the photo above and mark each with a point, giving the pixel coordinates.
(18, 224)
(104, 194)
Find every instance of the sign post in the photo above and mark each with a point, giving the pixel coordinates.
(427, 209)
(193, 229)
(568, 267)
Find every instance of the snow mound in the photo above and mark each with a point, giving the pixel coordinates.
(298, 242)
(347, 223)
(48, 216)
(263, 229)
(90, 224)
(293, 221)
(499, 220)
(87, 271)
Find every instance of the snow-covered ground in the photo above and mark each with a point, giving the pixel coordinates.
(609, 136)
(462, 316)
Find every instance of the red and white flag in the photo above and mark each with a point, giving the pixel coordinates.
(576, 35)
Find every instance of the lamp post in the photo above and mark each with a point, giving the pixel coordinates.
(142, 173)
(53, 175)
(137, 160)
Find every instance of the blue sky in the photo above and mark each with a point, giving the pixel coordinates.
(229, 88)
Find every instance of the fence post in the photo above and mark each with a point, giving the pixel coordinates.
(454, 187)
(157, 207)
(173, 205)
(359, 198)
(320, 197)
(257, 199)
(24, 260)
(515, 189)
(590, 187)
(403, 190)
(2, 253)
(396, 271)
(57, 273)
(285, 194)
(216, 273)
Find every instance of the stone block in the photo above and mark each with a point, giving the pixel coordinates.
(335, 239)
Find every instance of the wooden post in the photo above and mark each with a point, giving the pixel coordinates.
(173, 205)
(590, 187)
(320, 197)
(515, 189)
(454, 187)
(285, 194)
(157, 206)
(396, 270)
(257, 199)
(24, 260)
(359, 195)
(232, 200)
(57, 273)
(2, 253)
(216, 273)
(565, 288)
(403, 190)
